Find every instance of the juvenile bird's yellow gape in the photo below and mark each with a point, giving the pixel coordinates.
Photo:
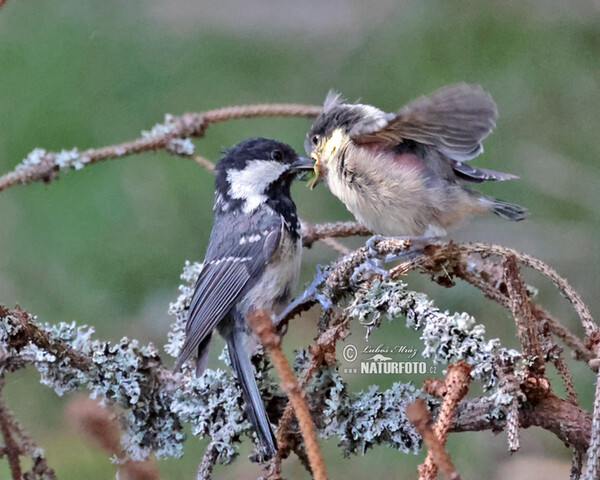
(404, 173)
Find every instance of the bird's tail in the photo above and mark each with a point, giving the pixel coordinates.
(255, 409)
(510, 211)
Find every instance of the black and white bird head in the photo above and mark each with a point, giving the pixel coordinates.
(256, 171)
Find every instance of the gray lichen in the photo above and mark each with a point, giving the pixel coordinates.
(157, 403)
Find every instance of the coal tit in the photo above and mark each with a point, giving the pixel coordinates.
(403, 173)
(252, 262)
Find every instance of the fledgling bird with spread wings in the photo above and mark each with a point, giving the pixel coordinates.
(405, 173)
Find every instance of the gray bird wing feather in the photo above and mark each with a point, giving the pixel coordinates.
(454, 119)
(224, 277)
(473, 174)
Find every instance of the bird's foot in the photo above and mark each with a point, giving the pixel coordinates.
(372, 265)
(414, 242)
(311, 293)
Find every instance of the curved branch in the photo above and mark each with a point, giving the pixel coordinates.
(568, 422)
(44, 166)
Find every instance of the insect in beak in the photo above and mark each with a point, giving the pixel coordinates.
(319, 171)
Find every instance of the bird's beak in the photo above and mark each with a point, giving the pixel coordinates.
(319, 170)
(303, 164)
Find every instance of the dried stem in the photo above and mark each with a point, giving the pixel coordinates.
(45, 168)
(261, 324)
(526, 323)
(26, 332)
(419, 416)
(18, 443)
(456, 387)
(312, 233)
(592, 470)
(11, 447)
(101, 427)
(434, 257)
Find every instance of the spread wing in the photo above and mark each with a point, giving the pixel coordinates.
(238, 252)
(454, 119)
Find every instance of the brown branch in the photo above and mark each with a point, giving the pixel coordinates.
(456, 387)
(568, 422)
(101, 427)
(419, 416)
(11, 447)
(18, 443)
(436, 257)
(487, 276)
(261, 324)
(527, 330)
(45, 168)
(592, 470)
(25, 332)
(313, 233)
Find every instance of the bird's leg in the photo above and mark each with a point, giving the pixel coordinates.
(311, 293)
(376, 259)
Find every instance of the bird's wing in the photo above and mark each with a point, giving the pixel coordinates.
(454, 119)
(228, 269)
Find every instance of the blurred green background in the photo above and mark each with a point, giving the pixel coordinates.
(105, 246)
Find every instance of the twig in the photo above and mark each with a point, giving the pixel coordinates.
(592, 470)
(456, 387)
(11, 447)
(419, 416)
(333, 243)
(576, 465)
(568, 422)
(436, 255)
(312, 233)
(526, 324)
(97, 423)
(44, 166)
(261, 324)
(209, 458)
(205, 162)
(18, 443)
(25, 332)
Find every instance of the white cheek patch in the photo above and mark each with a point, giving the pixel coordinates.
(250, 183)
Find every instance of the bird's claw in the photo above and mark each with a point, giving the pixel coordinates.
(370, 244)
(312, 292)
(370, 265)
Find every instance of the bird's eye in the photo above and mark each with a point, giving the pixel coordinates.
(315, 140)
(276, 155)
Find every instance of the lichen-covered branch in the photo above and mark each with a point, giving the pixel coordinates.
(156, 403)
(41, 165)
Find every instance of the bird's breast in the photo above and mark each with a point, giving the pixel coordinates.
(275, 287)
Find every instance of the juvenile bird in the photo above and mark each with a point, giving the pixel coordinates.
(404, 173)
(252, 262)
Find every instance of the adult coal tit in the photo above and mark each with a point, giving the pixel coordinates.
(252, 261)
